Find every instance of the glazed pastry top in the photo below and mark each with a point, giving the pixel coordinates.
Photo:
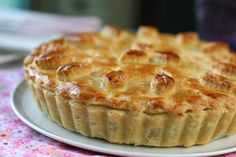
(147, 71)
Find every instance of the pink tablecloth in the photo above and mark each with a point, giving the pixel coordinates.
(17, 139)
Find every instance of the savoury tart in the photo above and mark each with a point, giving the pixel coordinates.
(145, 88)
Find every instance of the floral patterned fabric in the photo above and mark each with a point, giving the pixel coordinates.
(17, 139)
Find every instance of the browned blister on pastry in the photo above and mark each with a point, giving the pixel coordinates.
(213, 47)
(226, 69)
(167, 47)
(114, 33)
(162, 83)
(156, 104)
(54, 58)
(188, 39)
(217, 50)
(141, 46)
(216, 81)
(134, 56)
(73, 71)
(115, 80)
(147, 31)
(159, 57)
(85, 41)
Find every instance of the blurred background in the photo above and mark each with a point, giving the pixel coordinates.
(213, 19)
(169, 15)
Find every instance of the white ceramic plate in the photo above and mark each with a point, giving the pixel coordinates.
(26, 109)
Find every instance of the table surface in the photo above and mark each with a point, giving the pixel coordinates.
(17, 139)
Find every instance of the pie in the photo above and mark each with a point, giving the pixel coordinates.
(144, 88)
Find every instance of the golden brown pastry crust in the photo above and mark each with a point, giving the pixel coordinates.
(147, 72)
(134, 72)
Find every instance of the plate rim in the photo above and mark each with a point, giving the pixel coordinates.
(23, 84)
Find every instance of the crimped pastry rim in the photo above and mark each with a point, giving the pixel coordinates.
(204, 134)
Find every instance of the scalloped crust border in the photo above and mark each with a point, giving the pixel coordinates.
(124, 127)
